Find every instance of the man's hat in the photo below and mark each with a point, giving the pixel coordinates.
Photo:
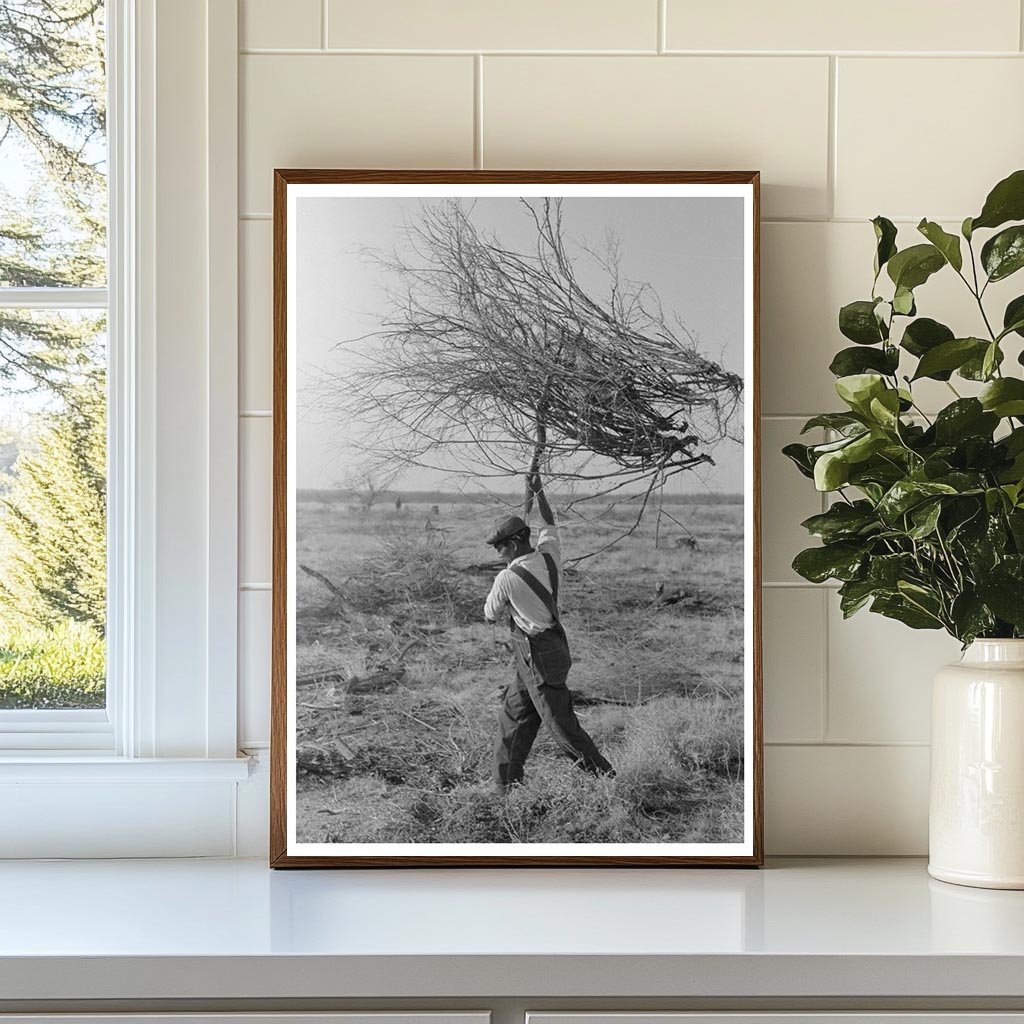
(505, 528)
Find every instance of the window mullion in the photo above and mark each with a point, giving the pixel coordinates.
(53, 298)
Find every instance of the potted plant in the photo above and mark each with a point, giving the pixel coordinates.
(926, 522)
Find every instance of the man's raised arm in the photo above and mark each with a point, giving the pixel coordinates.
(543, 507)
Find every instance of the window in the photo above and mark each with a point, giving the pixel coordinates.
(153, 760)
(53, 366)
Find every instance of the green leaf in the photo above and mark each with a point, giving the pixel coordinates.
(991, 360)
(966, 417)
(1013, 317)
(840, 561)
(1005, 202)
(1005, 596)
(925, 518)
(858, 389)
(854, 594)
(849, 361)
(799, 455)
(903, 302)
(974, 368)
(1004, 397)
(885, 409)
(970, 617)
(886, 470)
(911, 267)
(1015, 520)
(965, 229)
(1013, 474)
(831, 471)
(866, 445)
(833, 420)
(906, 494)
(1003, 254)
(924, 334)
(947, 244)
(963, 482)
(887, 570)
(1014, 441)
(994, 499)
(897, 607)
(843, 521)
(857, 321)
(885, 236)
(948, 356)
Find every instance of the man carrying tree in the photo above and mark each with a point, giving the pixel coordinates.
(528, 589)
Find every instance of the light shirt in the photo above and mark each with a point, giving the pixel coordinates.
(512, 593)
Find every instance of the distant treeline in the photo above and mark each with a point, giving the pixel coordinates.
(508, 498)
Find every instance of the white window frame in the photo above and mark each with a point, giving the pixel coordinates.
(171, 718)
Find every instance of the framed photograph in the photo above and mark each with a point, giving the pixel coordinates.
(516, 613)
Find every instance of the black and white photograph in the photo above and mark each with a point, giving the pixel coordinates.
(515, 547)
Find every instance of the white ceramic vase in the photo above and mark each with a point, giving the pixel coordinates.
(976, 814)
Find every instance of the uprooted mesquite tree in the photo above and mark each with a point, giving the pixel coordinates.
(498, 364)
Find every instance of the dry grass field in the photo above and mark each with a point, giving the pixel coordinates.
(400, 680)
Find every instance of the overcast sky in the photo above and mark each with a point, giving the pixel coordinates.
(690, 250)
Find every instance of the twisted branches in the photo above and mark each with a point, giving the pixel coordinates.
(495, 363)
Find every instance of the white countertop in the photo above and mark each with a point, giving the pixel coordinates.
(233, 929)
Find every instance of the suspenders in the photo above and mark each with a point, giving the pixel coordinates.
(550, 600)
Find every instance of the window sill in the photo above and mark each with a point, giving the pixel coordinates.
(77, 766)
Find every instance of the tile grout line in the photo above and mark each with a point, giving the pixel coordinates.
(323, 25)
(831, 170)
(768, 55)
(478, 111)
(824, 723)
(1020, 25)
(826, 690)
(854, 744)
(662, 42)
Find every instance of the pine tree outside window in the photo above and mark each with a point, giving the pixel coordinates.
(53, 364)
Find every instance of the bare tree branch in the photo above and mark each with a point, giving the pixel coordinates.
(495, 363)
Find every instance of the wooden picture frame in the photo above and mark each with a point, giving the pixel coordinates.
(340, 834)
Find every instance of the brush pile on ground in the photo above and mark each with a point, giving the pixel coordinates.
(409, 572)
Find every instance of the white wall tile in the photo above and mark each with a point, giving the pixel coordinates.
(869, 25)
(961, 130)
(848, 801)
(359, 111)
(265, 24)
(787, 498)
(880, 676)
(471, 25)
(793, 628)
(255, 315)
(255, 515)
(677, 112)
(805, 278)
(254, 610)
(684, 113)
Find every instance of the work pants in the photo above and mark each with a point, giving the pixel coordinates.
(536, 694)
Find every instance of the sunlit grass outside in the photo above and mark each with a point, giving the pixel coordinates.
(63, 666)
